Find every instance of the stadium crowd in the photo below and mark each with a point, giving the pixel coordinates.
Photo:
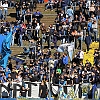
(70, 26)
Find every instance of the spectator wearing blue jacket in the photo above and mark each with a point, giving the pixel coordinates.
(89, 26)
(37, 15)
(70, 12)
(87, 41)
(65, 59)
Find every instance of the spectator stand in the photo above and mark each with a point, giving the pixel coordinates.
(35, 66)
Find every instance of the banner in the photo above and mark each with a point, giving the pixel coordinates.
(75, 91)
(33, 91)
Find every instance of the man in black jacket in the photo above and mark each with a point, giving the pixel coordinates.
(87, 41)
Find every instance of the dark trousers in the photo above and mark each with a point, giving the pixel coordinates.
(75, 43)
(79, 46)
(87, 47)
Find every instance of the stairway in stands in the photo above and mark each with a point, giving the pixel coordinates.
(48, 18)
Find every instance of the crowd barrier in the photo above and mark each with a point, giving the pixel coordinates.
(76, 91)
(22, 99)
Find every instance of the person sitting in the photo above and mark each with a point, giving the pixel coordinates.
(50, 5)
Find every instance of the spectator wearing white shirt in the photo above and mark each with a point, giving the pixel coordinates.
(37, 28)
(1, 15)
(5, 7)
(80, 55)
(70, 51)
(95, 30)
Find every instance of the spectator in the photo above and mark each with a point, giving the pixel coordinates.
(10, 88)
(89, 26)
(37, 28)
(1, 13)
(35, 4)
(80, 38)
(23, 9)
(70, 12)
(43, 31)
(74, 37)
(28, 15)
(97, 11)
(50, 5)
(91, 9)
(10, 64)
(3, 78)
(55, 40)
(87, 41)
(43, 90)
(95, 30)
(17, 6)
(29, 31)
(39, 43)
(65, 59)
(5, 7)
(23, 91)
(9, 78)
(38, 15)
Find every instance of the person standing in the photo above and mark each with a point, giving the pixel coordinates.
(70, 12)
(37, 28)
(95, 30)
(5, 7)
(55, 40)
(43, 31)
(43, 90)
(23, 91)
(65, 59)
(1, 15)
(18, 8)
(87, 41)
(10, 88)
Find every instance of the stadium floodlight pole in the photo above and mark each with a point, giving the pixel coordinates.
(99, 34)
(49, 80)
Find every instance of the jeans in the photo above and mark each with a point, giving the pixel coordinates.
(12, 43)
(95, 32)
(20, 41)
(98, 89)
(37, 33)
(43, 38)
(1, 15)
(17, 13)
(23, 12)
(10, 94)
(63, 40)
(84, 34)
(5, 14)
(40, 1)
(98, 17)
(70, 54)
(87, 47)
(51, 6)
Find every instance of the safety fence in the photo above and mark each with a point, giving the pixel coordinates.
(84, 91)
(23, 99)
